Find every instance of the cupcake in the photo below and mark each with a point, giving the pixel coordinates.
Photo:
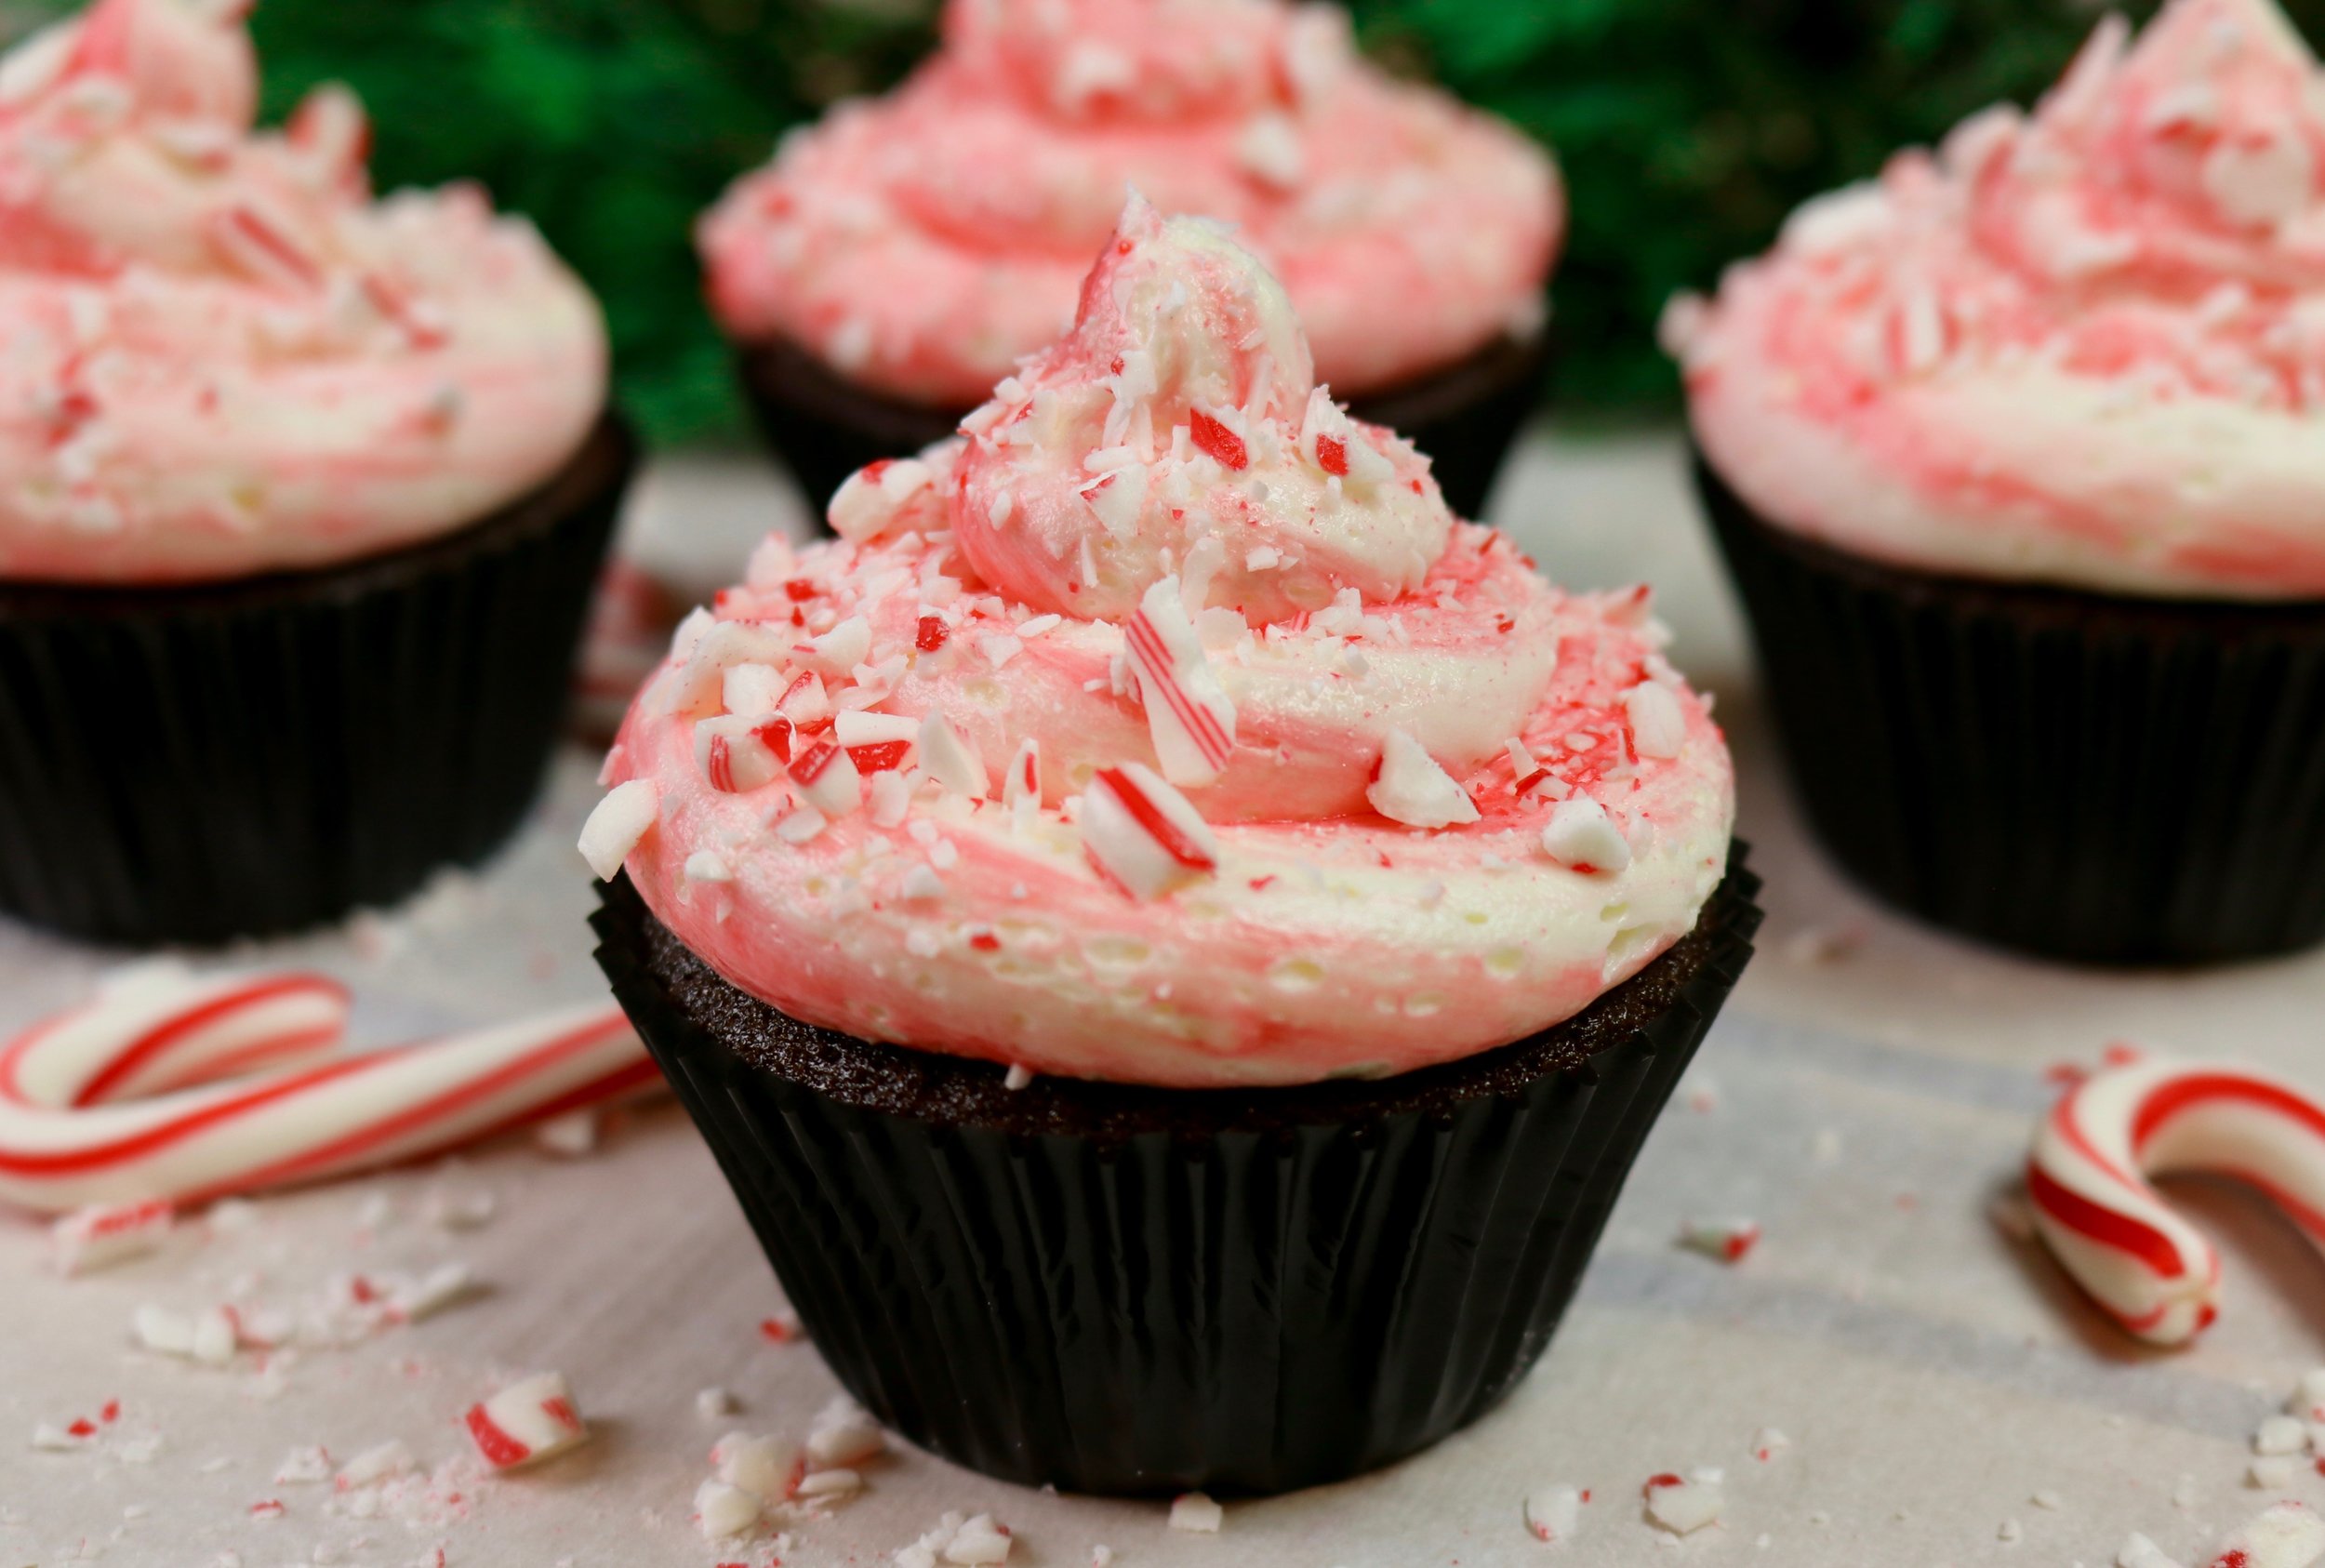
(897, 261)
(2018, 457)
(301, 496)
(1174, 939)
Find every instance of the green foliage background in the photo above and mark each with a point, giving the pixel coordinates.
(1687, 127)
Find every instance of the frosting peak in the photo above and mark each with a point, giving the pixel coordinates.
(222, 356)
(926, 241)
(1165, 728)
(2085, 344)
(1178, 428)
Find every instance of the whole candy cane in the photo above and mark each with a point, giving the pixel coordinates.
(2088, 1177)
(174, 1086)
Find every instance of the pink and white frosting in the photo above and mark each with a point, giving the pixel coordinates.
(2084, 345)
(1167, 728)
(218, 355)
(924, 243)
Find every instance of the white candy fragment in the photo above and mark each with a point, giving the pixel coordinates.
(860, 726)
(752, 691)
(1685, 1504)
(526, 1422)
(769, 1469)
(950, 759)
(1659, 725)
(2272, 1474)
(1192, 1510)
(870, 502)
(1729, 1240)
(706, 865)
(722, 1509)
(105, 1234)
(1552, 1513)
(979, 1540)
(2280, 1434)
(1144, 833)
(844, 1433)
(209, 1337)
(830, 1484)
(2283, 1536)
(1190, 717)
(2138, 1552)
(1768, 1442)
(1410, 787)
(620, 820)
(304, 1466)
(1116, 498)
(568, 1136)
(2307, 1399)
(1580, 835)
(376, 1464)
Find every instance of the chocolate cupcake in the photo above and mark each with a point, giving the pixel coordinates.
(301, 496)
(1174, 939)
(897, 261)
(2018, 456)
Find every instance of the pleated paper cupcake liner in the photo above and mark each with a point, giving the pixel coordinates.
(824, 427)
(2077, 776)
(1117, 1289)
(194, 764)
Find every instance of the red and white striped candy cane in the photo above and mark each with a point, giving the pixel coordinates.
(183, 1087)
(2088, 1177)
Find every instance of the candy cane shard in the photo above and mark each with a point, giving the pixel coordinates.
(617, 823)
(526, 1422)
(1188, 714)
(2088, 1177)
(185, 1088)
(1409, 786)
(1145, 835)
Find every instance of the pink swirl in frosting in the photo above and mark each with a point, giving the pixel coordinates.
(1167, 728)
(924, 242)
(218, 355)
(2086, 345)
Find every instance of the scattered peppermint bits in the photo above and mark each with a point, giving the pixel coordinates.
(1188, 714)
(976, 1542)
(526, 1422)
(1144, 833)
(1194, 1511)
(1768, 1443)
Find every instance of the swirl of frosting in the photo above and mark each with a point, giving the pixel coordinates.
(2085, 346)
(220, 356)
(1166, 728)
(926, 241)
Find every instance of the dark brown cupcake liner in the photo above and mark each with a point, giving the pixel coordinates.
(196, 763)
(2099, 779)
(1466, 416)
(1117, 1289)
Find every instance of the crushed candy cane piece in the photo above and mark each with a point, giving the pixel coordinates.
(1683, 1505)
(768, 1468)
(2138, 1552)
(304, 1467)
(1144, 833)
(1580, 835)
(1410, 787)
(104, 1234)
(2272, 1473)
(1194, 1511)
(378, 1463)
(1768, 1442)
(1727, 1240)
(979, 1541)
(526, 1422)
(1552, 1513)
(724, 1509)
(950, 759)
(844, 1433)
(620, 821)
(1658, 723)
(568, 1136)
(1189, 716)
(2283, 1536)
(2279, 1434)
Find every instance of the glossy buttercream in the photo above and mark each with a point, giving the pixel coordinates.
(926, 241)
(2084, 345)
(1190, 739)
(217, 355)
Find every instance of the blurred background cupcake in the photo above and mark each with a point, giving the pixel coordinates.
(898, 259)
(301, 496)
(2018, 457)
(1158, 849)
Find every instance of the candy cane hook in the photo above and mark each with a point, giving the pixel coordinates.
(2088, 1177)
(174, 1086)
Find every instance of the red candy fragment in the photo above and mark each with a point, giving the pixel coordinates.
(1217, 440)
(1332, 455)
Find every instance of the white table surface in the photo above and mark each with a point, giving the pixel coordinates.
(1867, 1108)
